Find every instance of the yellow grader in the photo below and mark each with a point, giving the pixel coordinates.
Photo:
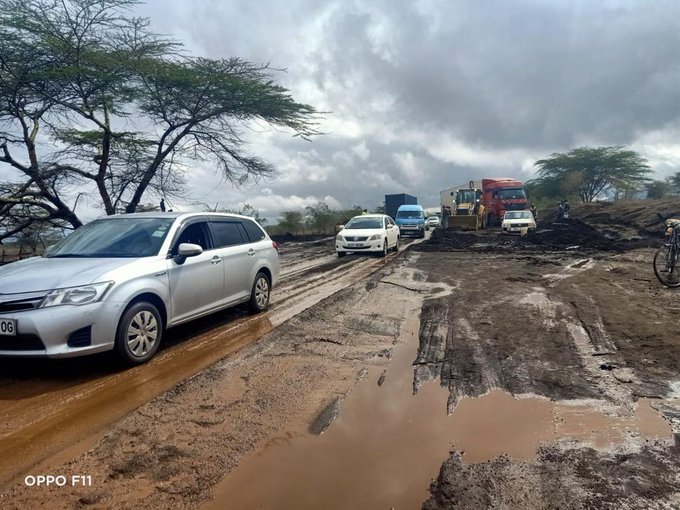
(466, 210)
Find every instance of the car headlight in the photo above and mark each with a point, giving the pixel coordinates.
(339, 238)
(81, 295)
(374, 237)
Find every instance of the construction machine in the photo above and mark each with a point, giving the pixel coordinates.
(466, 211)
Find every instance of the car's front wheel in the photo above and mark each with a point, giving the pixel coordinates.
(259, 295)
(341, 254)
(139, 333)
(383, 253)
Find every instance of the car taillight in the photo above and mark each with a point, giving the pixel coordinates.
(275, 245)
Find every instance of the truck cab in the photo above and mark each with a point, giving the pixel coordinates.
(500, 195)
(411, 220)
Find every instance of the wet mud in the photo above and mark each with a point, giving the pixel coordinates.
(567, 235)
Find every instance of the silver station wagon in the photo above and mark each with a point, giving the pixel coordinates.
(118, 282)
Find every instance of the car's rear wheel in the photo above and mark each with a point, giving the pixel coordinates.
(139, 333)
(396, 244)
(259, 295)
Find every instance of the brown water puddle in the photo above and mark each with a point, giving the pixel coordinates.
(388, 444)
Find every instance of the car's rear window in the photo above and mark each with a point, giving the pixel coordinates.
(254, 231)
(228, 233)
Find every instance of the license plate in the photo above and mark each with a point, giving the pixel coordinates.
(8, 327)
(354, 245)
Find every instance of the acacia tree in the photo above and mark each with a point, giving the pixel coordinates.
(94, 104)
(592, 171)
(291, 221)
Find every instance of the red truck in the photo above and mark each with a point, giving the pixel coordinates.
(502, 194)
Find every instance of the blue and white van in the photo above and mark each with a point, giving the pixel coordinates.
(411, 220)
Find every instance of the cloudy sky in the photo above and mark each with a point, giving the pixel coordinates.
(427, 94)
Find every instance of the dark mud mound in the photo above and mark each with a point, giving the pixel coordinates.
(627, 219)
(551, 236)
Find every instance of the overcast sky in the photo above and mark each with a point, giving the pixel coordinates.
(427, 94)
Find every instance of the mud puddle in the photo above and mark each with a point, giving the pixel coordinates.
(497, 423)
(388, 443)
(383, 450)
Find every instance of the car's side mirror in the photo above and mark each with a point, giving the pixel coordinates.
(185, 250)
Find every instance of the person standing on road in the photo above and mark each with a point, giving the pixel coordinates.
(534, 212)
(364, 212)
(567, 209)
(560, 211)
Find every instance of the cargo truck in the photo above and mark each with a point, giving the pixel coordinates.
(393, 202)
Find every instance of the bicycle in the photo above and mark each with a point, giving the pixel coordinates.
(667, 258)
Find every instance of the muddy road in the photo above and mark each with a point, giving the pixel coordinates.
(469, 371)
(53, 407)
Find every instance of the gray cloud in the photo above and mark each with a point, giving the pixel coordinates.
(431, 93)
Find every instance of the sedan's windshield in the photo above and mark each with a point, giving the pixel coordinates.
(517, 215)
(511, 193)
(120, 237)
(409, 214)
(364, 223)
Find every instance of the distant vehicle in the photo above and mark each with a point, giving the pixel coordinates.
(411, 220)
(502, 194)
(393, 202)
(119, 282)
(433, 221)
(517, 222)
(368, 233)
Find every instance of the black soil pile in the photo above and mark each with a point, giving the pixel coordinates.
(628, 219)
(562, 235)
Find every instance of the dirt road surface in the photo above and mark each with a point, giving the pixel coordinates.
(469, 371)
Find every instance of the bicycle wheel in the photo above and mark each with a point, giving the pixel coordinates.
(666, 266)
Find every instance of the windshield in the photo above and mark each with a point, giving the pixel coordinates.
(466, 197)
(511, 193)
(410, 214)
(364, 223)
(516, 215)
(120, 237)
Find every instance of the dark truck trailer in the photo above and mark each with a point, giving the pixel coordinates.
(393, 202)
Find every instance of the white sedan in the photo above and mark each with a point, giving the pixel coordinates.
(368, 233)
(433, 222)
(517, 221)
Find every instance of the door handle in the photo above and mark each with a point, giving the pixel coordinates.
(251, 252)
(216, 260)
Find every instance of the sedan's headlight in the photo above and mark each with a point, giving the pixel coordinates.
(374, 237)
(82, 295)
(339, 238)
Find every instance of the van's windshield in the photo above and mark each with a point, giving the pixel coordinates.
(410, 214)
